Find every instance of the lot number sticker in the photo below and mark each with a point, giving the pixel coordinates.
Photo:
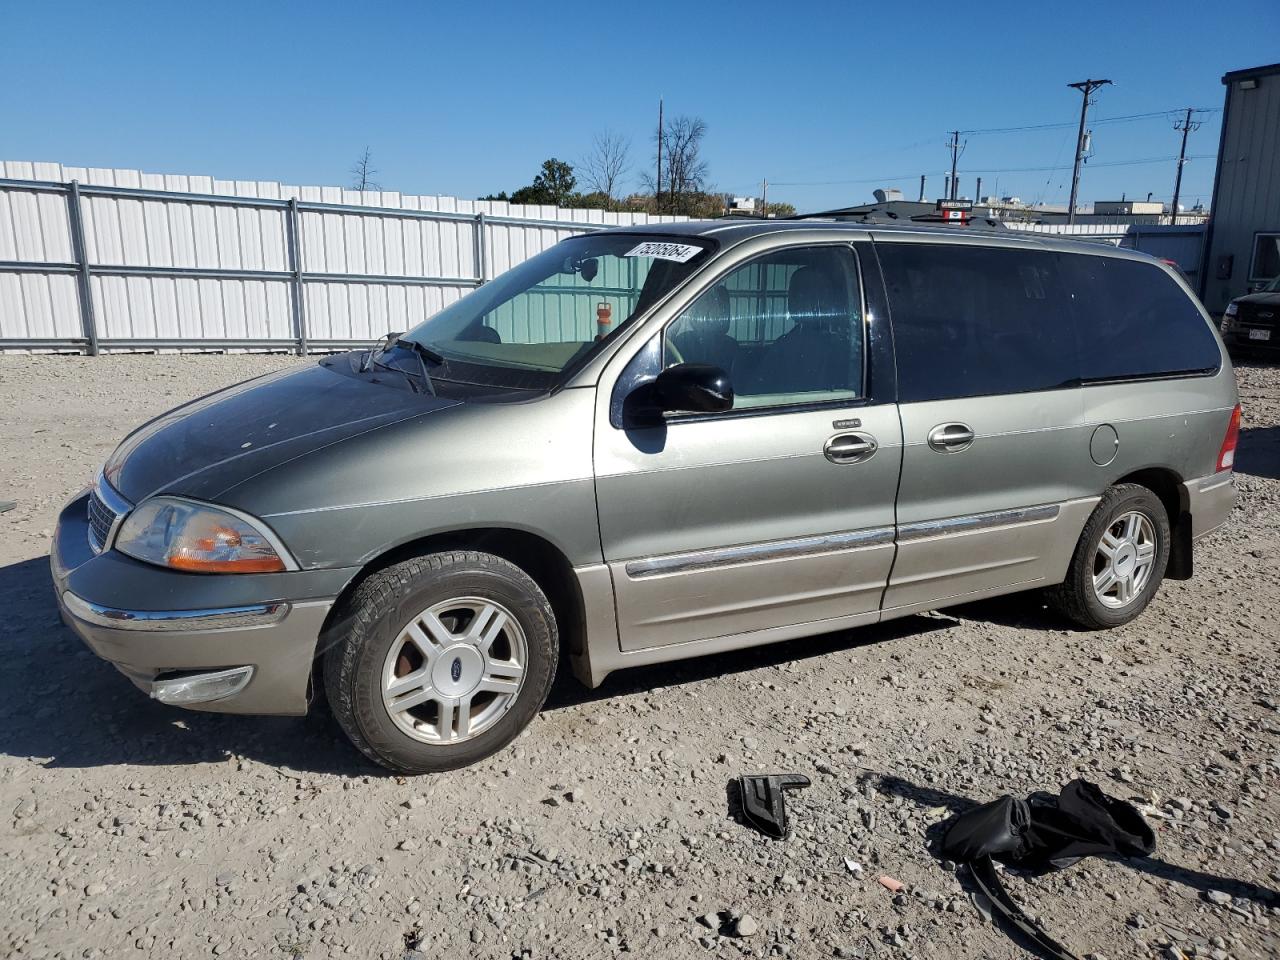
(679, 252)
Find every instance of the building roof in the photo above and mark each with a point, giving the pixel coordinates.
(1248, 72)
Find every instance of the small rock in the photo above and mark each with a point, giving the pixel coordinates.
(746, 926)
(96, 889)
(409, 844)
(1218, 897)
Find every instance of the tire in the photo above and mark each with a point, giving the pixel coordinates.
(404, 663)
(1080, 597)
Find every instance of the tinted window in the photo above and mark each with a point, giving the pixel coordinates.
(1135, 321)
(786, 327)
(973, 321)
(1266, 257)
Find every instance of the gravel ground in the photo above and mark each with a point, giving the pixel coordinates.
(131, 827)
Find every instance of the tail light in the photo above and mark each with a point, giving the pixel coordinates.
(1227, 455)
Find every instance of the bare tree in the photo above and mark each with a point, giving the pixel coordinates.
(606, 163)
(362, 172)
(684, 170)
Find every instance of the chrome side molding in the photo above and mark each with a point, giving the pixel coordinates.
(977, 521)
(222, 618)
(755, 552)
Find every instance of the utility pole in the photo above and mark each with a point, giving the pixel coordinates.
(955, 155)
(764, 197)
(922, 188)
(977, 192)
(657, 181)
(1186, 126)
(1086, 87)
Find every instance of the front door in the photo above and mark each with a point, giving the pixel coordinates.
(779, 512)
(997, 477)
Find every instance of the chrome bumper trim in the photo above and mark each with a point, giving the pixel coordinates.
(977, 521)
(154, 621)
(755, 552)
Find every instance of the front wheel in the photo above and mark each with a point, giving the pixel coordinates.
(1119, 561)
(440, 661)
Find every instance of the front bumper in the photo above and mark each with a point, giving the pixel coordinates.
(165, 630)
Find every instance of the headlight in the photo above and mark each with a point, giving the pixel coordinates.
(197, 538)
(1232, 309)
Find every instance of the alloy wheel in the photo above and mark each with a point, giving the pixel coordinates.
(1124, 560)
(454, 670)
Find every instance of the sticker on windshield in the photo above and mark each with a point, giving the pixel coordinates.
(679, 252)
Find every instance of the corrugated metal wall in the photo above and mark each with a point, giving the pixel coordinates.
(1246, 197)
(190, 260)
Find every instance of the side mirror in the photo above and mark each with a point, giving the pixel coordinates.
(693, 387)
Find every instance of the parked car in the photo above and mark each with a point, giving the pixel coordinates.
(1252, 323)
(649, 444)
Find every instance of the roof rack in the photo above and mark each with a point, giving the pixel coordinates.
(888, 217)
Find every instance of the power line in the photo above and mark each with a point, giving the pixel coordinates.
(984, 170)
(1128, 118)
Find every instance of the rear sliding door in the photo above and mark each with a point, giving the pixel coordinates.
(997, 478)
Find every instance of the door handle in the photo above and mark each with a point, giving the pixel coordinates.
(850, 448)
(951, 437)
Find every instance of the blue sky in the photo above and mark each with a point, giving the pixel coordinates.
(827, 100)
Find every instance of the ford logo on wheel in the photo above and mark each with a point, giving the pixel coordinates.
(455, 669)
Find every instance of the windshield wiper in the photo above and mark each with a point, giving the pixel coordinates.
(421, 349)
(423, 353)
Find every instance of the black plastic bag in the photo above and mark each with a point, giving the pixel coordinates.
(1044, 831)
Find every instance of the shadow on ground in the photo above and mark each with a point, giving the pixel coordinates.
(1258, 453)
(64, 707)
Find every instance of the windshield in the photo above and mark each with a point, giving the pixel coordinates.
(527, 327)
(1273, 286)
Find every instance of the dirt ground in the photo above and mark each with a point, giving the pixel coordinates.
(131, 829)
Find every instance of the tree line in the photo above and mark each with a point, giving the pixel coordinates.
(677, 181)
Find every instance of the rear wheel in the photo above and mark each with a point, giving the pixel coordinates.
(1119, 561)
(441, 661)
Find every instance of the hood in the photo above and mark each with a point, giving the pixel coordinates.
(1259, 299)
(200, 449)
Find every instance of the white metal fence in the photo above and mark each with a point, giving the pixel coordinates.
(94, 259)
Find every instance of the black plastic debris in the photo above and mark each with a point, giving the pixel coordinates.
(1043, 832)
(762, 802)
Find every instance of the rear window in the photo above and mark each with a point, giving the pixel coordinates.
(1135, 321)
(972, 321)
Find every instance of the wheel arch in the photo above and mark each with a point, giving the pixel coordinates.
(542, 560)
(1167, 485)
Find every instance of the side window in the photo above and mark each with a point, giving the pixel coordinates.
(787, 328)
(1135, 321)
(1265, 264)
(972, 321)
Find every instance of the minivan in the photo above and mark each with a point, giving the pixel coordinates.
(645, 444)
